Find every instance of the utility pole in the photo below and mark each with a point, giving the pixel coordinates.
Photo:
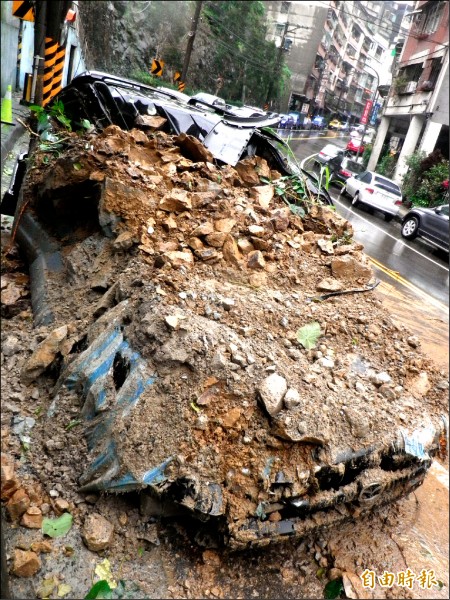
(190, 43)
(40, 27)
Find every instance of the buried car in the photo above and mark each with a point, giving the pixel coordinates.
(157, 275)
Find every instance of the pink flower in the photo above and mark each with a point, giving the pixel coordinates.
(445, 184)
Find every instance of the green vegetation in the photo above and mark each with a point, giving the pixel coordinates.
(422, 184)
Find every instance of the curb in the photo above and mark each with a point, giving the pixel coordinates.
(8, 144)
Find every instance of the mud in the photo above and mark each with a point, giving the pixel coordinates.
(213, 319)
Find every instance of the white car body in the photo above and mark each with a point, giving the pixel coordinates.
(376, 191)
(328, 152)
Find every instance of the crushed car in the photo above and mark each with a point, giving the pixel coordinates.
(165, 251)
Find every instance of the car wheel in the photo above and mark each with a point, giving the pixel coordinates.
(388, 217)
(410, 228)
(356, 202)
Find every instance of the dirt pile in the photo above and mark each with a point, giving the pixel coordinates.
(200, 276)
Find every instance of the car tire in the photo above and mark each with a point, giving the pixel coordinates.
(356, 201)
(388, 217)
(410, 228)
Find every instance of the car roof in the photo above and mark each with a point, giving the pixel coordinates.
(331, 148)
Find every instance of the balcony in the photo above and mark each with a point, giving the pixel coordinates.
(406, 88)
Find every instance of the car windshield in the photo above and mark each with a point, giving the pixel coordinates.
(443, 210)
(387, 185)
(353, 166)
(330, 149)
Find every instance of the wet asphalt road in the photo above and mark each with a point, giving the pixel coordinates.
(412, 264)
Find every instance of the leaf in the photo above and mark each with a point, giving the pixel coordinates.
(195, 407)
(77, 166)
(99, 591)
(333, 589)
(73, 424)
(103, 571)
(86, 124)
(35, 108)
(320, 572)
(65, 121)
(57, 527)
(140, 551)
(63, 590)
(46, 587)
(309, 334)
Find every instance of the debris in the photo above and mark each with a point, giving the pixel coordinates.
(26, 563)
(97, 532)
(272, 391)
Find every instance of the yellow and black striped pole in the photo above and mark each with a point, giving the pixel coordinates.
(58, 70)
(19, 55)
(51, 47)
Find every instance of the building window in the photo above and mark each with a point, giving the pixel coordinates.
(285, 7)
(379, 52)
(431, 18)
(279, 29)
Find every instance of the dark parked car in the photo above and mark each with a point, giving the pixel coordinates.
(286, 122)
(342, 167)
(318, 123)
(428, 223)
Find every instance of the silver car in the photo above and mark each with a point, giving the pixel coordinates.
(374, 190)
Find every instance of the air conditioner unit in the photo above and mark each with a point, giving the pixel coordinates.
(410, 87)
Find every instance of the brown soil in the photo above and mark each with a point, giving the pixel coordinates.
(212, 318)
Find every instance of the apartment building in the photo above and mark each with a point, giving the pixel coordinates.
(416, 114)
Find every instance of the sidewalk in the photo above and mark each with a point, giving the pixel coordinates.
(12, 133)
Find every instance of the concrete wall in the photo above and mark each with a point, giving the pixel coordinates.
(9, 39)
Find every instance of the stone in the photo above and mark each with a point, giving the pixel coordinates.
(326, 246)
(11, 345)
(280, 219)
(9, 482)
(43, 546)
(245, 246)
(175, 201)
(329, 285)
(272, 390)
(169, 223)
(61, 505)
(172, 322)
(420, 385)
(256, 231)
(351, 267)
(32, 519)
(97, 532)
(44, 355)
(257, 279)
(380, 378)
(230, 251)
(231, 417)
(180, 259)
(195, 150)
(263, 195)
(216, 239)
(203, 229)
(18, 504)
(124, 241)
(247, 172)
(291, 398)
(325, 362)
(151, 121)
(26, 563)
(413, 341)
(255, 260)
(224, 225)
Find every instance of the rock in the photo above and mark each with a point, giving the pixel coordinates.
(195, 150)
(291, 398)
(203, 229)
(280, 219)
(387, 392)
(151, 121)
(329, 285)
(124, 241)
(255, 260)
(351, 268)
(326, 246)
(9, 482)
(18, 504)
(230, 251)
(413, 341)
(231, 417)
(11, 345)
(175, 201)
(263, 195)
(257, 279)
(380, 378)
(216, 239)
(172, 322)
(26, 563)
(245, 246)
(247, 172)
(325, 362)
(32, 518)
(44, 355)
(272, 391)
(256, 231)
(97, 532)
(43, 546)
(420, 385)
(334, 574)
(61, 505)
(180, 259)
(224, 225)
